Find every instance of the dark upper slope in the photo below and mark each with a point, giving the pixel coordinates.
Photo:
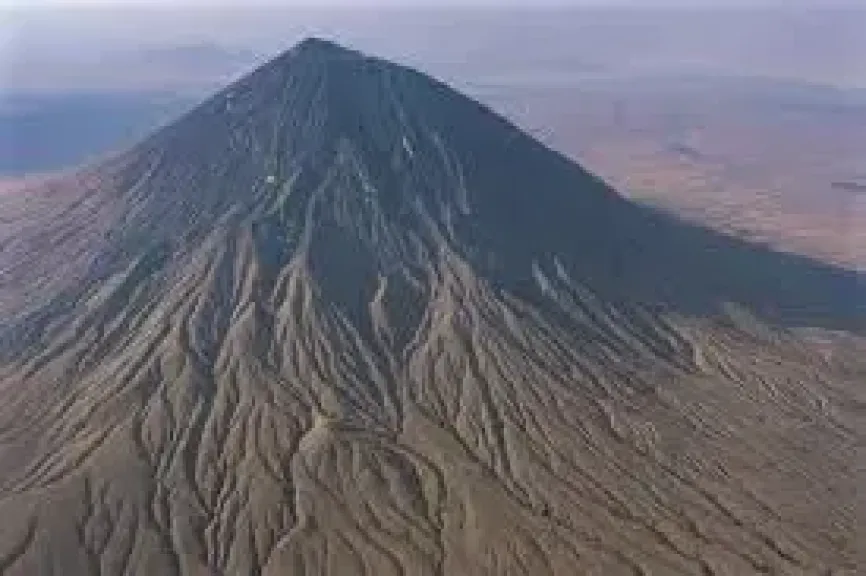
(367, 166)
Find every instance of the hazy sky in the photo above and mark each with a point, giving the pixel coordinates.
(158, 43)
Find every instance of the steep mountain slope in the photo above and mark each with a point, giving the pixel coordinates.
(341, 319)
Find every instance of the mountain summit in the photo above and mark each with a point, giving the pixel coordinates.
(342, 319)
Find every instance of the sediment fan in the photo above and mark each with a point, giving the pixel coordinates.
(340, 319)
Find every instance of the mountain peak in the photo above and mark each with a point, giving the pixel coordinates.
(321, 88)
(342, 153)
(323, 47)
(340, 319)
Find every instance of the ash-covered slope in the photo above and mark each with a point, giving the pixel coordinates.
(341, 319)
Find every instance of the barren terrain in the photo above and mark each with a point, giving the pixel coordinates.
(341, 319)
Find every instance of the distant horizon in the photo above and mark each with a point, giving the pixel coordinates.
(57, 50)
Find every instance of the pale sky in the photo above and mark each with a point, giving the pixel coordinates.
(57, 44)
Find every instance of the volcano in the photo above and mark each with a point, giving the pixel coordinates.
(340, 319)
